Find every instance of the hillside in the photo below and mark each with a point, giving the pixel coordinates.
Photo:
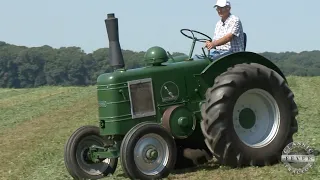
(24, 67)
(35, 124)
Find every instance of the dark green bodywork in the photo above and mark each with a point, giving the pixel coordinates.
(155, 56)
(114, 101)
(192, 78)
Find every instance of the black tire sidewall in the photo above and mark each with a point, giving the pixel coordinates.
(128, 145)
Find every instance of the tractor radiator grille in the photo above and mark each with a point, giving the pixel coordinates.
(141, 98)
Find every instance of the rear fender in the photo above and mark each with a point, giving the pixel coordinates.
(223, 63)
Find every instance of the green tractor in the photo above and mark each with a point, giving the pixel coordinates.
(177, 112)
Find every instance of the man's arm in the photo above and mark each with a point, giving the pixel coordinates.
(233, 31)
(223, 40)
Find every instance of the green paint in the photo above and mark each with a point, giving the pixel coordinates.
(114, 100)
(96, 153)
(191, 78)
(155, 56)
(247, 118)
(178, 58)
(182, 122)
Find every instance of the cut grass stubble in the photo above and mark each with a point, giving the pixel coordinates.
(33, 134)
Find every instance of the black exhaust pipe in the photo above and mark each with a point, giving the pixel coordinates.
(115, 53)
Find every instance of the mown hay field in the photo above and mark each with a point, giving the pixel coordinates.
(35, 124)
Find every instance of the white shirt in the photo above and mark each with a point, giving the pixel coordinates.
(231, 25)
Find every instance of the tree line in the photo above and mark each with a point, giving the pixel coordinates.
(26, 67)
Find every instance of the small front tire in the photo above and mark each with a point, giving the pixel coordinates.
(75, 156)
(148, 151)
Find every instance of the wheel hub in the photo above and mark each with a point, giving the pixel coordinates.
(152, 154)
(83, 155)
(247, 118)
(256, 118)
(87, 156)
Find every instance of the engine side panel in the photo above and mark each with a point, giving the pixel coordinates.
(127, 98)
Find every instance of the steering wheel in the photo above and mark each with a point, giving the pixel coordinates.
(208, 38)
(195, 38)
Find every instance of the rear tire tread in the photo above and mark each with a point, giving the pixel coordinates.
(215, 122)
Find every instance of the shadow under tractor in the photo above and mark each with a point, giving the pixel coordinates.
(177, 112)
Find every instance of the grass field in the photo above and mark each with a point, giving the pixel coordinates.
(35, 124)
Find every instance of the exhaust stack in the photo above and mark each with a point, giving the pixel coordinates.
(115, 54)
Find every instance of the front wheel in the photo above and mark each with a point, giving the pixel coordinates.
(148, 151)
(248, 116)
(76, 157)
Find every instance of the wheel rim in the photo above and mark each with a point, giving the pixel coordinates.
(84, 163)
(151, 154)
(256, 118)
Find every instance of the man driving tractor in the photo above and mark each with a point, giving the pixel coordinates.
(228, 36)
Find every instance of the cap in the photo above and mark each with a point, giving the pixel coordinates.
(222, 3)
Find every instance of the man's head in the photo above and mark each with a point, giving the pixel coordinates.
(223, 8)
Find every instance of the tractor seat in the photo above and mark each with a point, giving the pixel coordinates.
(245, 40)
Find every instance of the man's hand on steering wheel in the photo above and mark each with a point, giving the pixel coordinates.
(207, 40)
(209, 45)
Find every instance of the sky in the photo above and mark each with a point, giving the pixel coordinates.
(273, 25)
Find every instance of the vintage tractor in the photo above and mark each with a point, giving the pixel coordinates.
(179, 112)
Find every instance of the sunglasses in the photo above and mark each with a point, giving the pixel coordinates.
(221, 8)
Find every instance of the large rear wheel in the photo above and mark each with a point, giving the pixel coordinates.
(249, 116)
